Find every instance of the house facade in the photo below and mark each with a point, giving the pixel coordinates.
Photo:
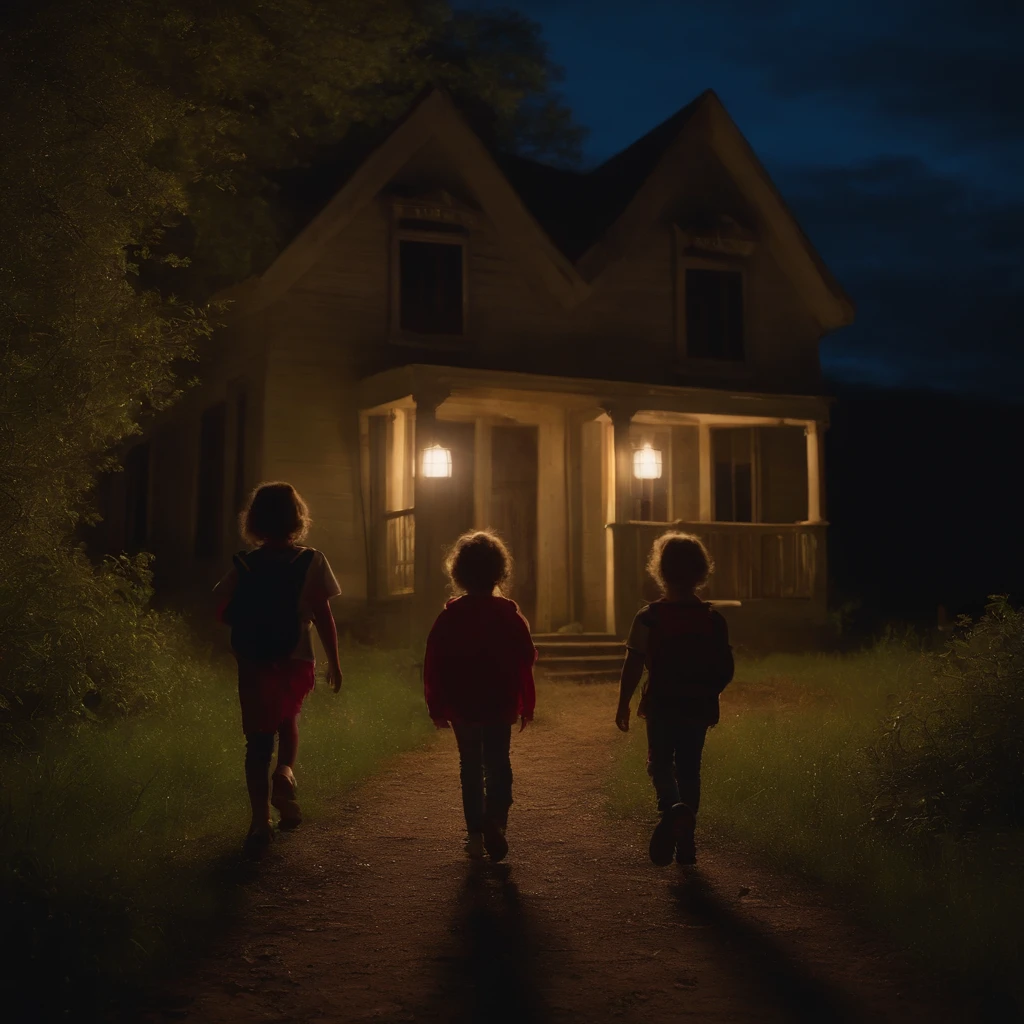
(577, 360)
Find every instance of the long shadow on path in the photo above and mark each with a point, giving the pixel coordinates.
(756, 954)
(494, 972)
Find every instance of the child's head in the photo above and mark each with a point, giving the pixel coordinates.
(679, 563)
(274, 513)
(478, 562)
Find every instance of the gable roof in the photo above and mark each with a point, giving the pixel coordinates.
(569, 226)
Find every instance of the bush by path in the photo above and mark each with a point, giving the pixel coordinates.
(119, 840)
(893, 774)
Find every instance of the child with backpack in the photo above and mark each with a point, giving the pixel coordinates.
(478, 681)
(270, 598)
(684, 645)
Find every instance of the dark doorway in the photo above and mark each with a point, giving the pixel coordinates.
(455, 495)
(514, 506)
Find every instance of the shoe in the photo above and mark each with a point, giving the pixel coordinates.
(282, 796)
(258, 841)
(675, 824)
(495, 841)
(475, 846)
(686, 848)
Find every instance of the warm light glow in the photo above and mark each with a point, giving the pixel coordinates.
(647, 463)
(437, 461)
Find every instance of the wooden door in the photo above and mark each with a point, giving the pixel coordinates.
(514, 507)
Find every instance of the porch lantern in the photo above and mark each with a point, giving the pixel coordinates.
(437, 461)
(647, 463)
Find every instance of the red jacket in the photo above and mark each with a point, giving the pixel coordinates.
(478, 666)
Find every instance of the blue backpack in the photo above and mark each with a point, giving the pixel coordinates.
(264, 611)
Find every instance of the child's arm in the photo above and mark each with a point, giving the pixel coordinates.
(725, 666)
(629, 680)
(433, 676)
(328, 633)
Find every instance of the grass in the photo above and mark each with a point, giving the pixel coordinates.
(117, 844)
(789, 774)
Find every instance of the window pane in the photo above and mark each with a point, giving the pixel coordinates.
(430, 287)
(714, 314)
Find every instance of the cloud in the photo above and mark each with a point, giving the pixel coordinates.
(935, 266)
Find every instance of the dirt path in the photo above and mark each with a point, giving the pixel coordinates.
(376, 916)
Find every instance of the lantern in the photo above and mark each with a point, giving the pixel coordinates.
(437, 461)
(647, 463)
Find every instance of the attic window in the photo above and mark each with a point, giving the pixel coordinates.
(714, 314)
(431, 288)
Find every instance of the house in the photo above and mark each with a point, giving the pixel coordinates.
(461, 339)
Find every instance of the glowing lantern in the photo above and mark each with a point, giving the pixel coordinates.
(647, 463)
(437, 461)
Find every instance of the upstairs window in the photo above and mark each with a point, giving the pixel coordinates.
(714, 314)
(431, 285)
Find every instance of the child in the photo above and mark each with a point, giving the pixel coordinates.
(684, 646)
(478, 678)
(269, 598)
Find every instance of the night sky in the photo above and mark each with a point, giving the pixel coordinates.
(894, 129)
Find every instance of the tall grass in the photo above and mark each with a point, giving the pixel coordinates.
(118, 839)
(794, 772)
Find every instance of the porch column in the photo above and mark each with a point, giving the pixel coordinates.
(625, 577)
(482, 474)
(815, 460)
(429, 581)
(704, 511)
(621, 417)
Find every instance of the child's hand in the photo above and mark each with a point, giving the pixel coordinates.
(523, 721)
(622, 719)
(441, 723)
(334, 677)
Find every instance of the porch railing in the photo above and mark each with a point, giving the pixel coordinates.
(400, 551)
(752, 561)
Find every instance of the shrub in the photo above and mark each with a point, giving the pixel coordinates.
(951, 757)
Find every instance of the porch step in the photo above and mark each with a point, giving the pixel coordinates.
(579, 657)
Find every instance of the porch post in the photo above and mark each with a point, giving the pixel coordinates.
(626, 559)
(704, 512)
(429, 583)
(814, 472)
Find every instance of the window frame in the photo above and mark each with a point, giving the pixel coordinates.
(688, 259)
(414, 339)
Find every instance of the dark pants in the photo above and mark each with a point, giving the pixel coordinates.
(674, 748)
(486, 773)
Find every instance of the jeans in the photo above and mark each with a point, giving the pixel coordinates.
(486, 773)
(674, 748)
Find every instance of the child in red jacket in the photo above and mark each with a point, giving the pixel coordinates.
(478, 680)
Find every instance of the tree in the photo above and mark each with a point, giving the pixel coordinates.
(142, 139)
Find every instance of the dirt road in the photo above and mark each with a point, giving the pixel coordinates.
(375, 915)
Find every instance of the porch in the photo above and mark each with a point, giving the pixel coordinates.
(579, 477)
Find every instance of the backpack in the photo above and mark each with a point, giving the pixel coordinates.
(689, 660)
(264, 611)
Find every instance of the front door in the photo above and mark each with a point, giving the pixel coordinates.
(514, 507)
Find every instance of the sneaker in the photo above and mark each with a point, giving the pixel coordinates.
(475, 846)
(282, 796)
(676, 823)
(258, 841)
(495, 841)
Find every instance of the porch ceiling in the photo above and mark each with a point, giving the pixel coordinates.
(399, 386)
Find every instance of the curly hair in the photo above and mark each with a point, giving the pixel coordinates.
(274, 512)
(679, 561)
(479, 561)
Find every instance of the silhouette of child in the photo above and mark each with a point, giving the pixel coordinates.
(478, 679)
(684, 645)
(270, 597)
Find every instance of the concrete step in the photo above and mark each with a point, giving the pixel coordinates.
(548, 651)
(580, 675)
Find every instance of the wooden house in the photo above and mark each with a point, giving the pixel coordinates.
(462, 339)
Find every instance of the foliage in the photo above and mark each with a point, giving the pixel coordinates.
(120, 842)
(142, 143)
(951, 758)
(804, 760)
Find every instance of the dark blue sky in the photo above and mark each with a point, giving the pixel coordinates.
(894, 129)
